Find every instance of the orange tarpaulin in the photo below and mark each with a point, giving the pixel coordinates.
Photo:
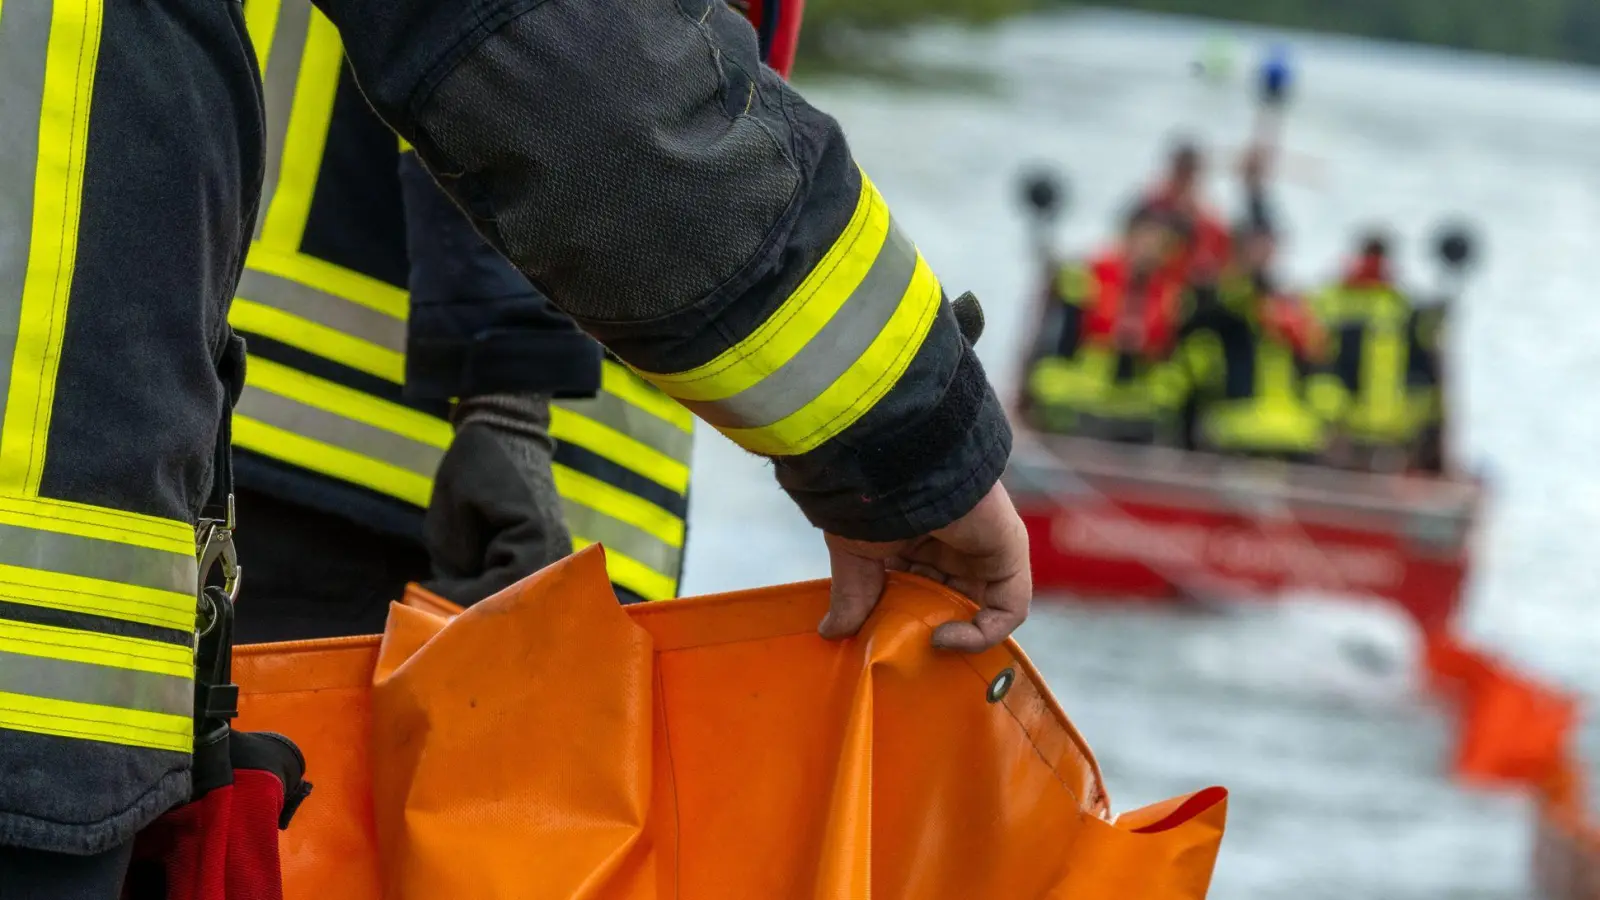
(548, 743)
(1512, 730)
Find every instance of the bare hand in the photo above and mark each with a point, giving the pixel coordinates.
(983, 555)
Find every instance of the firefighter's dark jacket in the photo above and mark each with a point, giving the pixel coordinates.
(641, 167)
(630, 156)
(475, 323)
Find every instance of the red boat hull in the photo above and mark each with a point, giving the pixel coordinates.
(1124, 523)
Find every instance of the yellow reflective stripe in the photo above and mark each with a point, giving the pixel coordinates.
(331, 279)
(336, 462)
(349, 403)
(1275, 374)
(261, 23)
(91, 647)
(346, 463)
(95, 522)
(71, 56)
(632, 574)
(799, 318)
(862, 385)
(328, 343)
(621, 381)
(573, 428)
(94, 596)
(88, 721)
(1381, 375)
(1074, 284)
(618, 504)
(318, 82)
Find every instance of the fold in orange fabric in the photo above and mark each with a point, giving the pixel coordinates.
(548, 743)
(1512, 730)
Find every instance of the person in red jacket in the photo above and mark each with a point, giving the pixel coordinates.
(1178, 195)
(1111, 322)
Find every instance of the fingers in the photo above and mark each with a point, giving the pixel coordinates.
(1005, 607)
(987, 553)
(857, 585)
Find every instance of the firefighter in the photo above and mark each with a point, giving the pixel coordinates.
(344, 418)
(1109, 325)
(1247, 359)
(1179, 195)
(633, 159)
(1372, 328)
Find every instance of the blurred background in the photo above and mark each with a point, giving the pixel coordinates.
(1403, 114)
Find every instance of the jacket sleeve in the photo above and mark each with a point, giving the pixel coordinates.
(694, 213)
(477, 326)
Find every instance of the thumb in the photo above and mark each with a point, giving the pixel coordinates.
(857, 585)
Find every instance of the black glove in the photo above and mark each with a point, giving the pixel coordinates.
(495, 516)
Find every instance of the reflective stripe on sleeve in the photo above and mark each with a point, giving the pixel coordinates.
(81, 683)
(96, 722)
(830, 351)
(86, 565)
(24, 31)
(70, 55)
(58, 679)
(82, 559)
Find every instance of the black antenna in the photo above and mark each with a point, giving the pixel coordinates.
(1044, 196)
(1457, 249)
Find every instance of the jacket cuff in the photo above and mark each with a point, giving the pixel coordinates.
(922, 475)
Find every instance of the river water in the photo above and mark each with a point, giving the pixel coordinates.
(1335, 764)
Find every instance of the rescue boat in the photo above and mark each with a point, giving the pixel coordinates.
(1114, 522)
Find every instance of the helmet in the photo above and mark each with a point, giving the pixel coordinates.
(777, 24)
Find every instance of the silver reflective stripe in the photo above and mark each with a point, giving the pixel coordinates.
(283, 72)
(331, 428)
(830, 353)
(57, 679)
(325, 309)
(24, 42)
(70, 554)
(596, 526)
(620, 415)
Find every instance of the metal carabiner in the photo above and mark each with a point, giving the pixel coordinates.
(214, 545)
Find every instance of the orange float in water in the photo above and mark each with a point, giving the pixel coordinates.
(549, 743)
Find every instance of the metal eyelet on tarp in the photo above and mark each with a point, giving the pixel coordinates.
(1001, 685)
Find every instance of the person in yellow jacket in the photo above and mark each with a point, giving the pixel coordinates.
(1246, 367)
(389, 345)
(1372, 329)
(1108, 326)
(684, 205)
